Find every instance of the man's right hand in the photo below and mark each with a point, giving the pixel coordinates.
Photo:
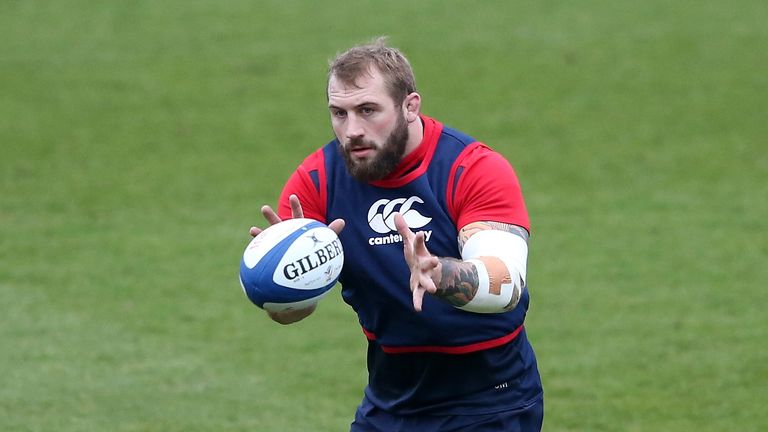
(291, 316)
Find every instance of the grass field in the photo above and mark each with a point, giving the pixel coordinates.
(139, 139)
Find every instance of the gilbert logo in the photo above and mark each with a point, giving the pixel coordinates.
(381, 218)
(314, 260)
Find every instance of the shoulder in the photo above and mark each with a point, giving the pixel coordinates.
(308, 182)
(449, 133)
(479, 155)
(314, 161)
(485, 187)
(479, 164)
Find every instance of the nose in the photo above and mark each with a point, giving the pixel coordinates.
(354, 127)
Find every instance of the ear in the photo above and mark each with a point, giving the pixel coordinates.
(412, 107)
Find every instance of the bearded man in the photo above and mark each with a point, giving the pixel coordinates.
(435, 234)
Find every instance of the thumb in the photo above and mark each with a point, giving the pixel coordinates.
(337, 225)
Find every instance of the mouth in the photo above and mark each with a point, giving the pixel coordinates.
(361, 152)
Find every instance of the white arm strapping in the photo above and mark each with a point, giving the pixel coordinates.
(508, 255)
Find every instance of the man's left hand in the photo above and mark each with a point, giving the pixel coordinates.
(425, 271)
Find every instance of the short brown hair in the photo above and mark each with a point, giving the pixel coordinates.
(390, 62)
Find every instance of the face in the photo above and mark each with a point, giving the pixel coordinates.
(372, 131)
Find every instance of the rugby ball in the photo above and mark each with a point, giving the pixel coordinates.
(291, 265)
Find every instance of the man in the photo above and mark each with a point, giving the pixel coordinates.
(422, 206)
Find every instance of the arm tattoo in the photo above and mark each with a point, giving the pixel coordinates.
(459, 280)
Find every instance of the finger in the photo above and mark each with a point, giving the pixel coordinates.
(408, 252)
(420, 244)
(255, 231)
(426, 265)
(296, 209)
(408, 238)
(418, 299)
(337, 225)
(427, 284)
(270, 215)
(418, 252)
(402, 227)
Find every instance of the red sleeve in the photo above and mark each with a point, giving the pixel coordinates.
(484, 187)
(308, 183)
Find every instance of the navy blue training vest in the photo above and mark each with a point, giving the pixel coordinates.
(442, 359)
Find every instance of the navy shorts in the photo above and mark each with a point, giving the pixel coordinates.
(369, 418)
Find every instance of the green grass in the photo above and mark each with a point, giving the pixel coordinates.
(139, 139)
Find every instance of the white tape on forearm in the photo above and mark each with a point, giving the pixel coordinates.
(484, 301)
(512, 251)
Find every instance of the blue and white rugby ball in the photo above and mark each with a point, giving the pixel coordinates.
(291, 265)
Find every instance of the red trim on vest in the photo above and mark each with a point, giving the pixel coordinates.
(370, 336)
(323, 185)
(462, 349)
(449, 190)
(313, 201)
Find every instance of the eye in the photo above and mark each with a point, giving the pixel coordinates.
(338, 113)
(366, 110)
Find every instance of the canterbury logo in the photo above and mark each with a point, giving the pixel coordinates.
(381, 214)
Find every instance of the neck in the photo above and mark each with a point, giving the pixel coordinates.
(415, 135)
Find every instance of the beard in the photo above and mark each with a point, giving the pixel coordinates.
(389, 154)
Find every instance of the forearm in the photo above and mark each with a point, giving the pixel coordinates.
(457, 281)
(478, 285)
(490, 276)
